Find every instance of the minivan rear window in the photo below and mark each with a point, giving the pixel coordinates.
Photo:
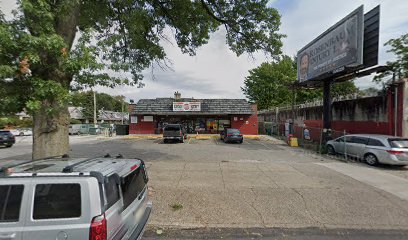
(10, 202)
(132, 186)
(398, 142)
(57, 201)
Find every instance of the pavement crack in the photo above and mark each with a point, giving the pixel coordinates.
(222, 175)
(305, 205)
(256, 210)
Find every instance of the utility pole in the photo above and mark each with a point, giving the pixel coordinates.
(94, 101)
(123, 102)
(326, 110)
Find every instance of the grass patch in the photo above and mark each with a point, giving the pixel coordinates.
(176, 206)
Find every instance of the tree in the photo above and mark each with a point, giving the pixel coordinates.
(270, 85)
(399, 67)
(52, 46)
(103, 101)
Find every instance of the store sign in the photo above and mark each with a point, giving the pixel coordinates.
(186, 106)
(339, 47)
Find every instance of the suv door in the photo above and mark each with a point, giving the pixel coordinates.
(13, 192)
(134, 192)
(61, 208)
(115, 227)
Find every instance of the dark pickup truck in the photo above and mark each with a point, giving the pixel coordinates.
(174, 132)
(7, 138)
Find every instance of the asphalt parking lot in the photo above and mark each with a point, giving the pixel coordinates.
(260, 184)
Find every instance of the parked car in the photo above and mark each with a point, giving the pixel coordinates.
(373, 149)
(74, 129)
(22, 132)
(232, 135)
(7, 139)
(61, 198)
(174, 132)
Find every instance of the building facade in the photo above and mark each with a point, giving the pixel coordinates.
(149, 116)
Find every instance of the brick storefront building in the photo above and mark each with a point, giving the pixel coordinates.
(149, 116)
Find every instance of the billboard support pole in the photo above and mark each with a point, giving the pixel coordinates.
(326, 110)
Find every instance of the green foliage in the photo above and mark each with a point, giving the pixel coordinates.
(103, 101)
(15, 122)
(399, 67)
(40, 61)
(270, 85)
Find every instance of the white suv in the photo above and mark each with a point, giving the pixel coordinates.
(101, 198)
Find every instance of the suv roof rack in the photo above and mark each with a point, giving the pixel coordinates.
(4, 169)
(70, 168)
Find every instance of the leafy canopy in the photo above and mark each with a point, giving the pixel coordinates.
(270, 85)
(103, 101)
(53, 46)
(399, 67)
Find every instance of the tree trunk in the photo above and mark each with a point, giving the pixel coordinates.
(50, 132)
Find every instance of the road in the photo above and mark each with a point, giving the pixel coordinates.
(258, 189)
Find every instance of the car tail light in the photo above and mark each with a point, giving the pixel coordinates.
(133, 167)
(394, 152)
(181, 133)
(230, 135)
(98, 229)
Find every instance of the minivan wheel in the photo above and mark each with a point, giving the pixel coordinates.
(371, 159)
(330, 150)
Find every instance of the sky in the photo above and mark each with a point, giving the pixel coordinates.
(216, 72)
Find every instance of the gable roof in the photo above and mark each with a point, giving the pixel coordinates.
(164, 106)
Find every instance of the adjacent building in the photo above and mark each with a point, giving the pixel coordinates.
(149, 116)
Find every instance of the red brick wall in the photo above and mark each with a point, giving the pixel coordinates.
(141, 127)
(248, 129)
(351, 127)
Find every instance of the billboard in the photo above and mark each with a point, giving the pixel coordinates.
(338, 47)
(186, 106)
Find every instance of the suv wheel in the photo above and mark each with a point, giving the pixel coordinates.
(8, 146)
(330, 150)
(371, 159)
(182, 140)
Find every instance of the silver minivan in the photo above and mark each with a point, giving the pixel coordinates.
(373, 149)
(61, 199)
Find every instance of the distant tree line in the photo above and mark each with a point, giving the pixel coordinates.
(103, 102)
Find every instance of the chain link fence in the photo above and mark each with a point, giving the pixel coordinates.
(309, 137)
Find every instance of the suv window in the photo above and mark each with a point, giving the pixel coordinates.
(172, 128)
(375, 142)
(132, 186)
(360, 140)
(57, 201)
(111, 190)
(10, 202)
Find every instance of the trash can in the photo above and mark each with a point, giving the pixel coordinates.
(122, 129)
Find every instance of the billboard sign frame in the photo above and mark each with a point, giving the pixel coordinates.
(332, 52)
(186, 106)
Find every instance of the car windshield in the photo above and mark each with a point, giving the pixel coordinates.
(233, 131)
(398, 143)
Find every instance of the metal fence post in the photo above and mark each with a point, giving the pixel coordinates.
(345, 145)
(321, 138)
